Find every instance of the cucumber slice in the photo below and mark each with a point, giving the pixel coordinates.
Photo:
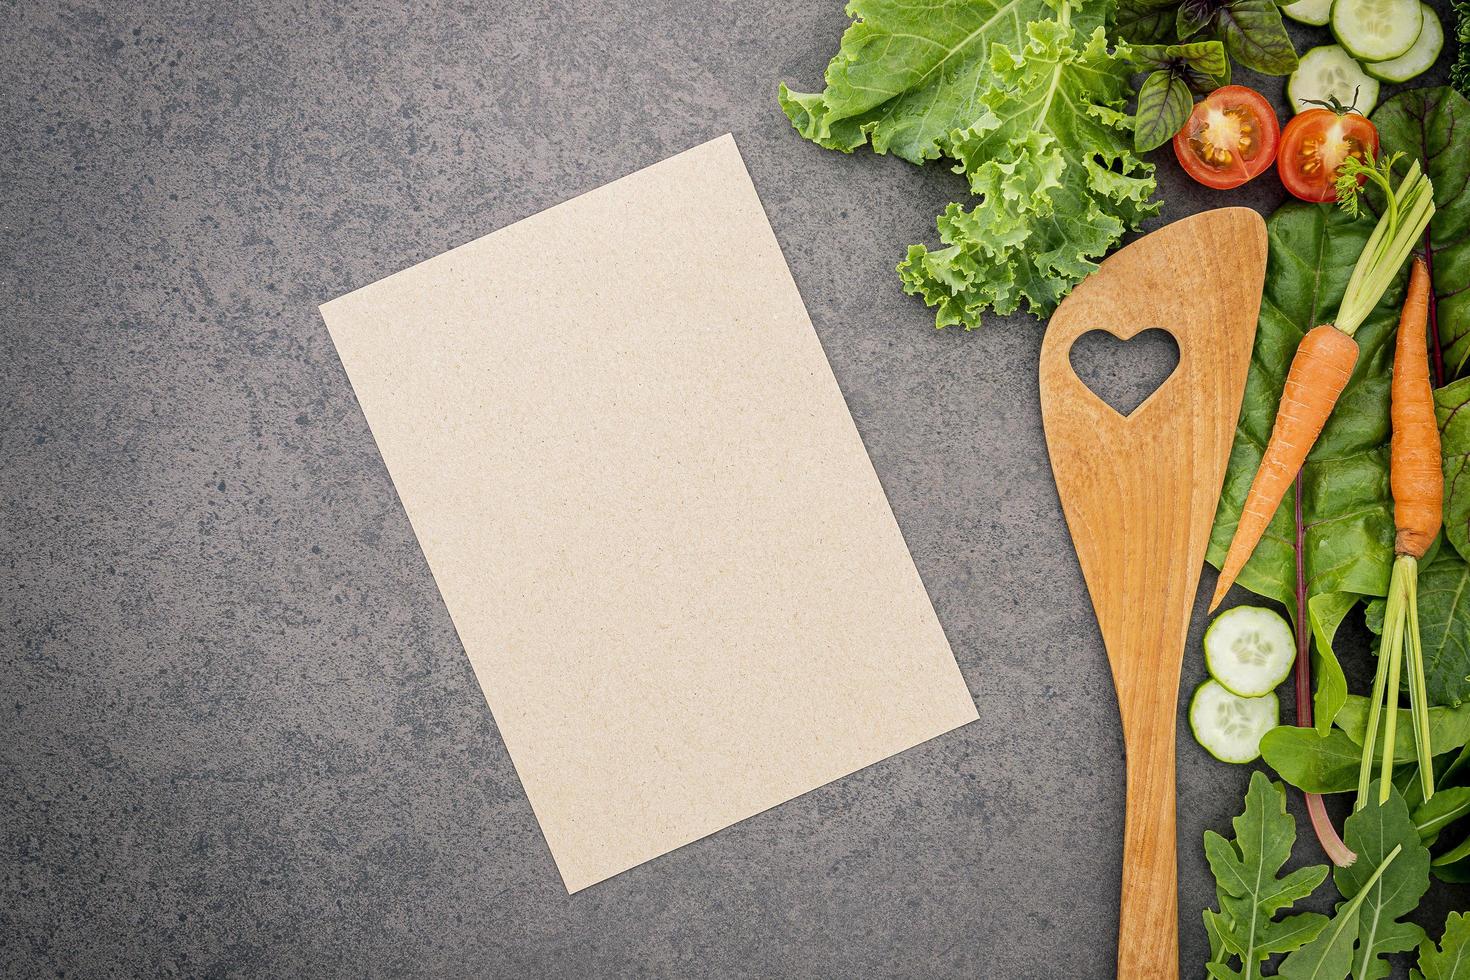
(1249, 650)
(1376, 30)
(1330, 72)
(1316, 12)
(1418, 59)
(1229, 727)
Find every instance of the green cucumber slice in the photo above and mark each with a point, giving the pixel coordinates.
(1329, 72)
(1418, 59)
(1230, 727)
(1376, 30)
(1316, 12)
(1249, 650)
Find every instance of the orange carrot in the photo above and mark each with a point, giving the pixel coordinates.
(1418, 495)
(1416, 475)
(1320, 370)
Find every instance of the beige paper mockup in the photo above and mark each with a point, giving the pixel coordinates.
(649, 513)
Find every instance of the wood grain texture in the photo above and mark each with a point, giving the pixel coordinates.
(1139, 494)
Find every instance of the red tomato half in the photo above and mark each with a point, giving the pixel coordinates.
(1315, 144)
(1230, 137)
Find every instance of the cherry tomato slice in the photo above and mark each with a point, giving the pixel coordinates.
(1315, 143)
(1229, 139)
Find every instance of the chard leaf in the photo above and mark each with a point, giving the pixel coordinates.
(1450, 959)
(1164, 104)
(1372, 833)
(1027, 100)
(1246, 884)
(1325, 612)
(1311, 762)
(1452, 408)
(1346, 504)
(1433, 125)
(910, 73)
(1449, 728)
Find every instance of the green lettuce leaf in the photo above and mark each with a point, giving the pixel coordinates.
(1027, 100)
(1433, 125)
(1250, 893)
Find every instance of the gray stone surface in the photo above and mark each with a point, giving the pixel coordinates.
(238, 734)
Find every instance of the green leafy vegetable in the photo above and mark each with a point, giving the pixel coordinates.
(1346, 506)
(1432, 126)
(1142, 22)
(1167, 96)
(1325, 613)
(1444, 625)
(1251, 30)
(1249, 892)
(1026, 99)
(1375, 832)
(1449, 728)
(1330, 955)
(1452, 408)
(1450, 959)
(1447, 806)
(1313, 763)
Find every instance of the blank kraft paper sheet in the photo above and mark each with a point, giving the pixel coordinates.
(649, 513)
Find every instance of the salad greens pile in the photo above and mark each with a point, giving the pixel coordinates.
(1026, 99)
(1344, 549)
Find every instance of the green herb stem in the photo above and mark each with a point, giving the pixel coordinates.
(1407, 213)
(1418, 695)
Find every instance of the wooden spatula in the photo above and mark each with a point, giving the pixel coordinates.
(1139, 493)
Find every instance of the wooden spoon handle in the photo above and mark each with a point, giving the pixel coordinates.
(1148, 917)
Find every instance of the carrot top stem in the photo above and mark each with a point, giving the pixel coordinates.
(1408, 211)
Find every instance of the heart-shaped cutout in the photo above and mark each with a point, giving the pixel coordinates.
(1124, 372)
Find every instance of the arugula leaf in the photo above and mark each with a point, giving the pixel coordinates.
(1249, 892)
(1031, 116)
(1329, 956)
(1450, 959)
(1446, 806)
(1325, 613)
(1373, 833)
(1432, 125)
(1346, 504)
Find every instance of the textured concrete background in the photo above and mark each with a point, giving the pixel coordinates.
(238, 736)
